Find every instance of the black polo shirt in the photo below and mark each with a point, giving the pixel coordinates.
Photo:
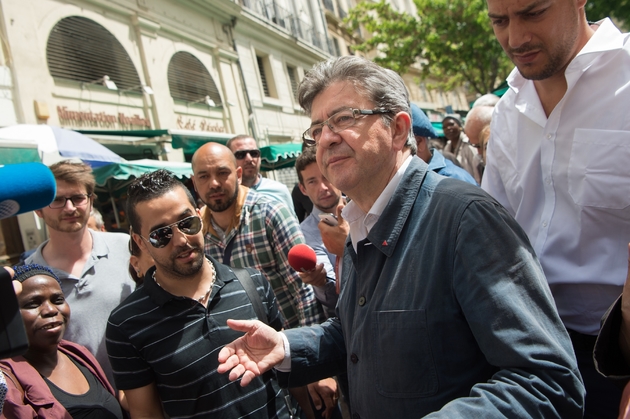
(154, 336)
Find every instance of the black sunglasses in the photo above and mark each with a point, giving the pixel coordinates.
(240, 154)
(160, 237)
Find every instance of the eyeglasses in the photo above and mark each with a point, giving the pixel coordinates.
(240, 154)
(338, 122)
(160, 237)
(77, 201)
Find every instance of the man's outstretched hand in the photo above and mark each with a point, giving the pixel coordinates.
(259, 350)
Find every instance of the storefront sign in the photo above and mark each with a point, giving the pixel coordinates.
(198, 125)
(100, 119)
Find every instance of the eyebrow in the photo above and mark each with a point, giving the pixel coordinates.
(524, 11)
(186, 213)
(334, 111)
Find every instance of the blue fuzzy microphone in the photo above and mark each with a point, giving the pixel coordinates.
(25, 187)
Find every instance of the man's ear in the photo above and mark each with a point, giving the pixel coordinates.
(39, 213)
(400, 126)
(239, 174)
(302, 188)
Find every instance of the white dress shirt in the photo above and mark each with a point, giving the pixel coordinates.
(361, 223)
(566, 177)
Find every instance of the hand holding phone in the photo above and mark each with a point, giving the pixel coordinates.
(329, 218)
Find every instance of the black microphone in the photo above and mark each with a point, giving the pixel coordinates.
(25, 187)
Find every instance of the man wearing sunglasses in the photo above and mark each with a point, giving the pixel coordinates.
(444, 311)
(91, 265)
(248, 159)
(161, 340)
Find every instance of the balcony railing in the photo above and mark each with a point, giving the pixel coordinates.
(270, 11)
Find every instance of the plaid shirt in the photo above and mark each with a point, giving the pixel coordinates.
(263, 232)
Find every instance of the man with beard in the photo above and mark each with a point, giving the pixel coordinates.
(163, 339)
(248, 159)
(558, 161)
(91, 265)
(325, 198)
(245, 229)
(242, 229)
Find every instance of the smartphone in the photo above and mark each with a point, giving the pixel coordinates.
(329, 218)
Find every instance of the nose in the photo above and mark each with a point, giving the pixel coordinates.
(69, 205)
(518, 34)
(328, 137)
(49, 309)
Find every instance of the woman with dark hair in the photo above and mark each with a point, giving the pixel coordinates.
(55, 378)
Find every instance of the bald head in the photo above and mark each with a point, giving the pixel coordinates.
(215, 151)
(476, 120)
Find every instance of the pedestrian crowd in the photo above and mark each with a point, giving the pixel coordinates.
(480, 277)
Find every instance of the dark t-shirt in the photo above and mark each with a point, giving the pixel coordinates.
(96, 403)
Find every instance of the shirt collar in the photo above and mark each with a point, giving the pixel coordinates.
(206, 213)
(360, 222)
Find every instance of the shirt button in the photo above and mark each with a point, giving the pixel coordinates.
(354, 358)
(548, 181)
(361, 301)
(549, 136)
(544, 223)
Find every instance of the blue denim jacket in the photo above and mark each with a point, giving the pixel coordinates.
(444, 308)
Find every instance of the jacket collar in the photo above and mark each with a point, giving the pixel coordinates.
(386, 232)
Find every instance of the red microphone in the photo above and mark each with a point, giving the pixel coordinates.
(302, 258)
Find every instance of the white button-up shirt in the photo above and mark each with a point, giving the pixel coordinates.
(566, 177)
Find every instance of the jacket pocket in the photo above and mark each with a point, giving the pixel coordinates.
(598, 168)
(404, 363)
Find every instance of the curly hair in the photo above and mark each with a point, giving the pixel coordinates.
(150, 186)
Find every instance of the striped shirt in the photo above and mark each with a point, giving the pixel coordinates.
(154, 336)
(263, 231)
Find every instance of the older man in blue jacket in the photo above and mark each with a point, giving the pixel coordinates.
(444, 310)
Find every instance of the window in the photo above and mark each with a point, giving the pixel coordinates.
(335, 47)
(80, 49)
(266, 76)
(292, 71)
(189, 80)
(263, 76)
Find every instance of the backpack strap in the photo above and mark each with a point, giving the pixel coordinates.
(249, 286)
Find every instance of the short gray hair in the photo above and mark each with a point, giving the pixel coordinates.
(489, 99)
(98, 218)
(483, 114)
(384, 87)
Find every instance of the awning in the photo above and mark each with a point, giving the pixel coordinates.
(279, 156)
(136, 168)
(437, 126)
(113, 180)
(275, 156)
(187, 140)
(190, 141)
(14, 155)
